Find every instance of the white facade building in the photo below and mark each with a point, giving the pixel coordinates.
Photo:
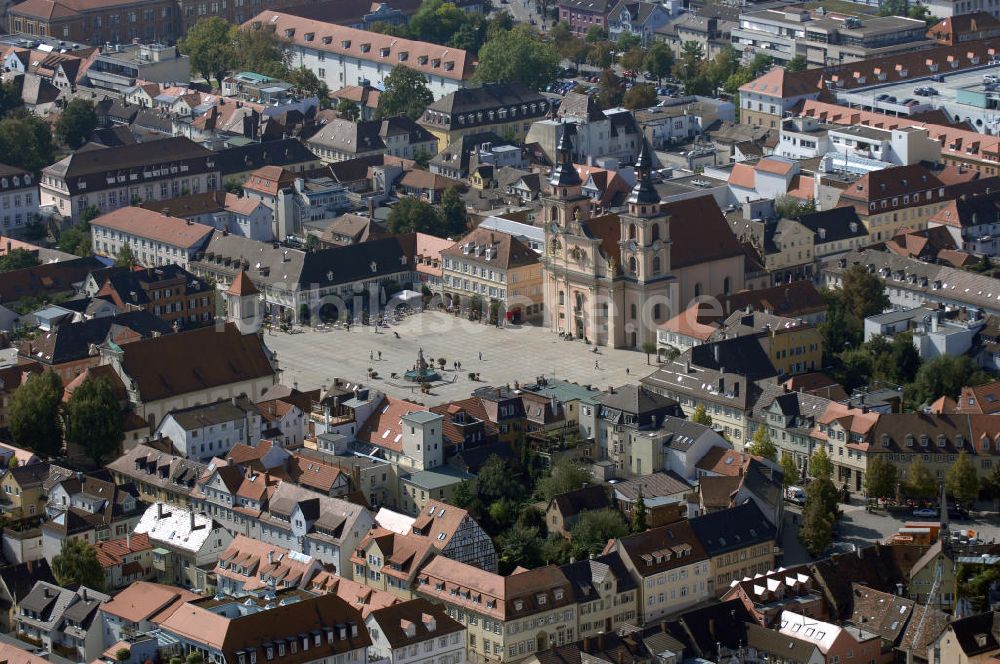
(205, 432)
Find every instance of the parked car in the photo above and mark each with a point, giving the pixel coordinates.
(938, 77)
(925, 511)
(795, 494)
(882, 97)
(957, 512)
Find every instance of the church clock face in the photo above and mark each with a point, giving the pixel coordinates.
(631, 245)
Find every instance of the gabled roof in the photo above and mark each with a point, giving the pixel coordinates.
(155, 227)
(193, 360)
(585, 499)
(384, 428)
(733, 529)
(145, 600)
(414, 621)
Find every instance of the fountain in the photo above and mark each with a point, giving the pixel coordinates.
(421, 371)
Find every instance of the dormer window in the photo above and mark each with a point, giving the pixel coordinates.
(518, 605)
(403, 56)
(384, 52)
(365, 48)
(909, 440)
(435, 63)
(448, 66)
(942, 440)
(346, 43)
(289, 33)
(309, 36)
(885, 440)
(422, 59)
(328, 40)
(924, 440)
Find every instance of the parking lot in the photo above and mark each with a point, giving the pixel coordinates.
(515, 353)
(861, 528)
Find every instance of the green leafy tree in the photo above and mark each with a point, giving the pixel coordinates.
(556, 550)
(575, 50)
(261, 51)
(567, 475)
(194, 657)
(762, 445)
(862, 294)
(76, 239)
(659, 60)
(413, 214)
(920, 483)
(639, 521)
(701, 416)
(649, 348)
(422, 158)
(76, 123)
(518, 55)
(594, 528)
(348, 110)
(816, 532)
(406, 93)
(628, 42)
(798, 63)
(440, 22)
(640, 96)
(123, 655)
(790, 471)
(991, 484)
(26, 142)
(34, 414)
(312, 243)
(761, 64)
(310, 85)
(596, 34)
(77, 563)
(94, 419)
(880, 477)
(688, 65)
(599, 55)
(561, 34)
(454, 218)
(893, 8)
(790, 208)
(632, 59)
(18, 259)
(10, 97)
(126, 257)
(944, 375)
(611, 89)
(519, 546)
(962, 481)
(210, 48)
(820, 466)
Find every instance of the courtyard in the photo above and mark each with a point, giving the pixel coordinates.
(521, 353)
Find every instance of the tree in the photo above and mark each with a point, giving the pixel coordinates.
(422, 158)
(861, 293)
(611, 89)
(10, 97)
(790, 208)
(816, 532)
(920, 483)
(195, 657)
(413, 214)
(632, 59)
(76, 239)
(701, 416)
(406, 93)
(123, 655)
(599, 55)
(454, 219)
(348, 110)
(34, 414)
(639, 522)
(762, 445)
(260, 51)
(820, 466)
(689, 63)
(640, 96)
(790, 471)
(594, 528)
(567, 475)
(659, 60)
(596, 34)
(798, 63)
(561, 34)
(628, 42)
(210, 48)
(880, 477)
(893, 8)
(18, 259)
(77, 563)
(649, 348)
(944, 375)
(519, 546)
(310, 85)
(94, 418)
(126, 257)
(518, 55)
(76, 123)
(312, 242)
(962, 481)
(26, 142)
(991, 483)
(575, 50)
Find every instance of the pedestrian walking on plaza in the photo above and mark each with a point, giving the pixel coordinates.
(596, 366)
(371, 355)
(480, 356)
(626, 371)
(380, 356)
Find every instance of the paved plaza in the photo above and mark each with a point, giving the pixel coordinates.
(516, 353)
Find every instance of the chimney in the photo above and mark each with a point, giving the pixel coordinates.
(83, 593)
(715, 351)
(270, 557)
(159, 510)
(128, 540)
(192, 519)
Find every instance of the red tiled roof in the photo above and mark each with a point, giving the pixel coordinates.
(384, 427)
(743, 175)
(242, 285)
(112, 552)
(154, 226)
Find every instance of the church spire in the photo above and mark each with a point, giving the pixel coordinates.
(564, 174)
(644, 193)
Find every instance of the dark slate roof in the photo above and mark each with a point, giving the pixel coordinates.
(772, 641)
(129, 283)
(732, 529)
(46, 278)
(285, 152)
(73, 341)
(584, 499)
(836, 224)
(874, 566)
(20, 578)
(586, 575)
(355, 262)
(636, 399)
(978, 634)
(702, 630)
(743, 355)
(474, 105)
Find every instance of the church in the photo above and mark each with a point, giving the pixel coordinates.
(612, 278)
